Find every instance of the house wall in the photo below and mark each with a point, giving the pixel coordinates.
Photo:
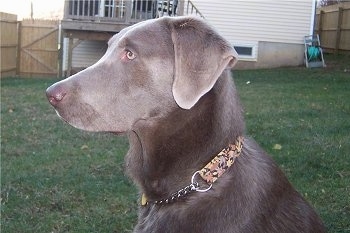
(85, 54)
(275, 28)
(274, 54)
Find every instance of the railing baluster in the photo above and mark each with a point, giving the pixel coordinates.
(93, 8)
(109, 9)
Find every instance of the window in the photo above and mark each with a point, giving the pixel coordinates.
(246, 51)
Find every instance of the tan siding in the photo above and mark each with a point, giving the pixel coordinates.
(259, 20)
(85, 54)
(88, 52)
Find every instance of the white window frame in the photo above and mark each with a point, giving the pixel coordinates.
(253, 46)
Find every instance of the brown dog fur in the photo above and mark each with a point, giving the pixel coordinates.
(177, 103)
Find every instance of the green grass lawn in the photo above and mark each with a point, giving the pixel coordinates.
(55, 178)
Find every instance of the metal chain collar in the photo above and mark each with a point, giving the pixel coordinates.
(177, 195)
(194, 186)
(213, 170)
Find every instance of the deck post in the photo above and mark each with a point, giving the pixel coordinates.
(128, 12)
(60, 52)
(70, 56)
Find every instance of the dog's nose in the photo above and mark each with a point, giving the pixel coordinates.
(55, 94)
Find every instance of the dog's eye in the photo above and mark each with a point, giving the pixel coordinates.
(130, 55)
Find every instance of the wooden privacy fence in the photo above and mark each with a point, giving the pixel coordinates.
(8, 44)
(29, 47)
(333, 27)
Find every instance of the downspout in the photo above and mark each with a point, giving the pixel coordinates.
(60, 51)
(313, 17)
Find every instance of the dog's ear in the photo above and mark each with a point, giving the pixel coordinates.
(201, 55)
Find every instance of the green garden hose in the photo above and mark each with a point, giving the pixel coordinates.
(313, 53)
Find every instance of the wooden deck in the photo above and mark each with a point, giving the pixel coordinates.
(112, 15)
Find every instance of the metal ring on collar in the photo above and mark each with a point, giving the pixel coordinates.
(197, 186)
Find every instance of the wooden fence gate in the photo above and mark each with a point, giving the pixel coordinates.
(38, 45)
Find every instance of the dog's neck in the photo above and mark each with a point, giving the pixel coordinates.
(165, 152)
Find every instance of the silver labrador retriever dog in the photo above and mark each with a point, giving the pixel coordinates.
(166, 83)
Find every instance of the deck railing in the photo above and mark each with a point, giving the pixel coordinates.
(191, 9)
(127, 11)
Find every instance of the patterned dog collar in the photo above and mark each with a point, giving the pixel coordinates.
(210, 173)
(220, 163)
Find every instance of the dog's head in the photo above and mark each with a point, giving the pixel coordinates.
(148, 70)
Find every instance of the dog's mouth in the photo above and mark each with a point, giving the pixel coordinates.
(117, 133)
